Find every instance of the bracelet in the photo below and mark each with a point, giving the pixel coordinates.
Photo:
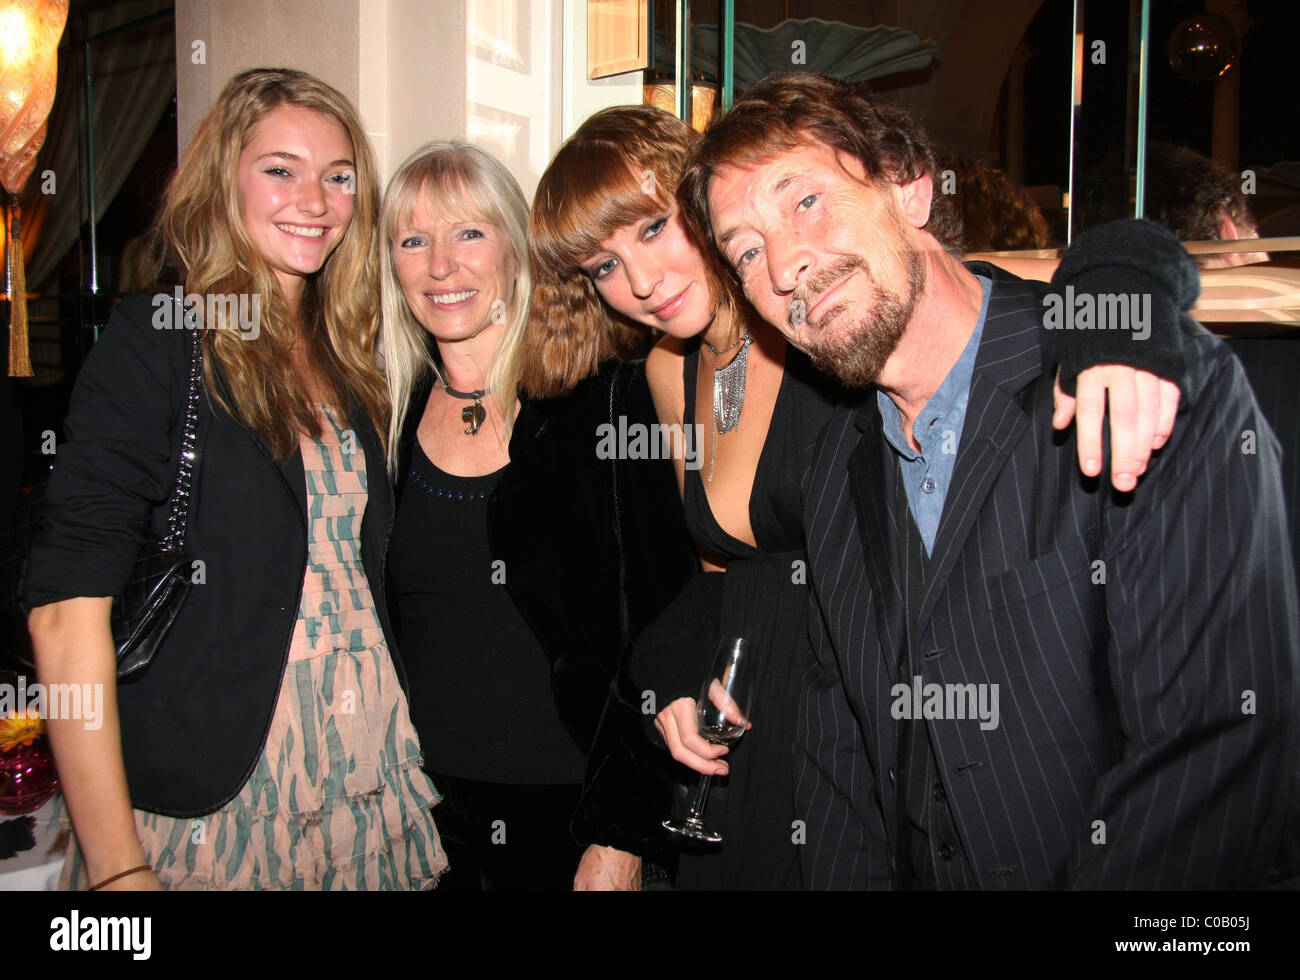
(120, 874)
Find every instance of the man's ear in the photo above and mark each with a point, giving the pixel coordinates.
(1229, 230)
(914, 200)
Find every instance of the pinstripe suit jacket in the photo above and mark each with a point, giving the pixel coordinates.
(1147, 735)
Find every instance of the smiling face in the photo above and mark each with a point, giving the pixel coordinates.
(296, 177)
(825, 257)
(653, 274)
(457, 273)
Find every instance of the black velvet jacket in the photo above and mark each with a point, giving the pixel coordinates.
(594, 548)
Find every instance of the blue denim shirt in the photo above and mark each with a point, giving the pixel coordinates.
(937, 430)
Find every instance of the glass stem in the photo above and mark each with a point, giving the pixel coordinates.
(701, 794)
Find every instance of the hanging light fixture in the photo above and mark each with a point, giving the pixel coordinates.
(29, 41)
(1202, 47)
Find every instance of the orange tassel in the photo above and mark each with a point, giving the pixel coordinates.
(20, 358)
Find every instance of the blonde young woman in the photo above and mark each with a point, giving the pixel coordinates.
(522, 561)
(616, 266)
(268, 744)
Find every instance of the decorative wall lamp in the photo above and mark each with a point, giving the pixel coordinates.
(29, 41)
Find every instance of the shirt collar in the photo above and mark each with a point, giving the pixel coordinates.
(948, 402)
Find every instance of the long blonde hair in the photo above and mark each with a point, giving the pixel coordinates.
(450, 178)
(202, 227)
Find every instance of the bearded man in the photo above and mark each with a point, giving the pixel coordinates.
(1024, 677)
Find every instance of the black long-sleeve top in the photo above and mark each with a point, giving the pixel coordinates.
(593, 549)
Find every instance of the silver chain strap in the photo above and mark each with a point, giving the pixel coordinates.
(178, 517)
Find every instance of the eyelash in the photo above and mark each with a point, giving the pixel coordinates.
(339, 178)
(744, 257)
(416, 241)
(652, 231)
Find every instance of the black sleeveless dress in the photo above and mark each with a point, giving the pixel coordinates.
(764, 600)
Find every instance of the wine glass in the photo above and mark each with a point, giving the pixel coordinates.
(722, 713)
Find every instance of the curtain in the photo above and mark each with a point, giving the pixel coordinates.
(133, 79)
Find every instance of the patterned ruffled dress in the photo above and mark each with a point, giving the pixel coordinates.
(337, 800)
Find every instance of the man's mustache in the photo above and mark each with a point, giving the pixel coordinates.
(806, 296)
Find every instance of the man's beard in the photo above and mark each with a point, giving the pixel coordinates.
(856, 356)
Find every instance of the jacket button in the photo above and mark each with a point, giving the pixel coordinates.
(891, 777)
(946, 851)
(937, 793)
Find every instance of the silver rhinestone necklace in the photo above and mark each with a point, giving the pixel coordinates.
(728, 390)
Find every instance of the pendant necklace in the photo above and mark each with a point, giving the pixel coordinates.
(728, 390)
(471, 415)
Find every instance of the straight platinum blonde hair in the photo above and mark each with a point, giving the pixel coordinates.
(455, 180)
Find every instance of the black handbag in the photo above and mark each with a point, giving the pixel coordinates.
(146, 608)
(160, 578)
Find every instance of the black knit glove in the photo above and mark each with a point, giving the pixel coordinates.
(1136, 258)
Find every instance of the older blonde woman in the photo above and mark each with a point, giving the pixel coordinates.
(523, 559)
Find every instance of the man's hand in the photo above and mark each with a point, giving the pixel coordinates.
(607, 869)
(681, 732)
(1142, 410)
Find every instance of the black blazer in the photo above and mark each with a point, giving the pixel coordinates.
(556, 519)
(1148, 705)
(193, 725)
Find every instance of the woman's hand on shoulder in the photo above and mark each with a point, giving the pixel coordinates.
(681, 733)
(607, 869)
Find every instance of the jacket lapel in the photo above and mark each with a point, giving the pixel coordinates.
(1010, 357)
(291, 471)
(871, 485)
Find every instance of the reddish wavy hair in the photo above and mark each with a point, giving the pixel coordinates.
(622, 165)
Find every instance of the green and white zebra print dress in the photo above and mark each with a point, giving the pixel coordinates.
(337, 800)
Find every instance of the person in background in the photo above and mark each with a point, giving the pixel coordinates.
(1199, 199)
(994, 214)
(1195, 197)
